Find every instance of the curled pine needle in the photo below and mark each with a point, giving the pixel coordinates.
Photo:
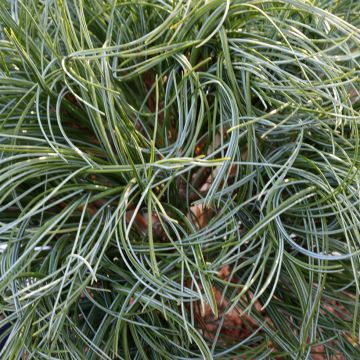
(179, 179)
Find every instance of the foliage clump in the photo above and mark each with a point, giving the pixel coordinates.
(179, 179)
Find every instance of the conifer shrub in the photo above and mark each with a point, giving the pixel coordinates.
(179, 179)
